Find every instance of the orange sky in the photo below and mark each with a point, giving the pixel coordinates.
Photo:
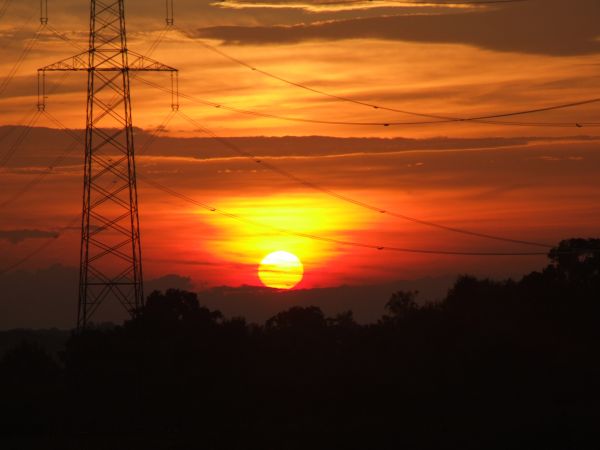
(536, 183)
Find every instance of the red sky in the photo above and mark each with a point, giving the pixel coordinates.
(523, 182)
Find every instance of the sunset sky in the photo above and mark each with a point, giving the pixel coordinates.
(536, 180)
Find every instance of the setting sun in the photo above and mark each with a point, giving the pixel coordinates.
(280, 270)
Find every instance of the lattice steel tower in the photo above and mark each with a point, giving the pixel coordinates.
(110, 259)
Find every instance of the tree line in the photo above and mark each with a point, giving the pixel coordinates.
(494, 365)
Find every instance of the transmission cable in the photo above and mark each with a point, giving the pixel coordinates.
(42, 247)
(65, 38)
(25, 129)
(159, 39)
(285, 231)
(21, 59)
(40, 176)
(331, 122)
(348, 199)
(10, 129)
(76, 140)
(439, 119)
(21, 137)
(4, 7)
(275, 116)
(354, 201)
(224, 213)
(449, 118)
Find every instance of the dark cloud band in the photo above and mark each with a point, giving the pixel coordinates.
(551, 27)
(16, 236)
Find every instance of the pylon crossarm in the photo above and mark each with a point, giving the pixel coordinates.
(139, 62)
(72, 63)
(80, 62)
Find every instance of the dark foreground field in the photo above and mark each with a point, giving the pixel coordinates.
(495, 365)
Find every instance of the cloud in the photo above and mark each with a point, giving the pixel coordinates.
(320, 6)
(45, 144)
(16, 236)
(551, 27)
(165, 282)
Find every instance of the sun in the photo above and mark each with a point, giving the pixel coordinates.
(280, 270)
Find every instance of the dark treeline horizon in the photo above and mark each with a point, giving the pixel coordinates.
(493, 365)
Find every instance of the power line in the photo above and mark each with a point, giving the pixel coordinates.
(280, 117)
(159, 39)
(65, 38)
(285, 231)
(13, 71)
(357, 202)
(405, 217)
(31, 118)
(76, 140)
(4, 7)
(20, 139)
(348, 199)
(439, 119)
(447, 118)
(279, 230)
(345, 198)
(337, 122)
(11, 129)
(40, 177)
(42, 247)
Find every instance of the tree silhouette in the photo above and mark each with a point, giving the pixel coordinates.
(297, 318)
(577, 259)
(402, 304)
(30, 379)
(493, 365)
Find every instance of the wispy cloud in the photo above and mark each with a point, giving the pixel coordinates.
(319, 6)
(16, 236)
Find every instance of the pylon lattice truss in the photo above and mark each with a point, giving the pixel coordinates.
(110, 258)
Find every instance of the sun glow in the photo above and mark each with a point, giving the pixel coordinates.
(280, 270)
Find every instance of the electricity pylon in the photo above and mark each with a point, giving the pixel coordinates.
(111, 256)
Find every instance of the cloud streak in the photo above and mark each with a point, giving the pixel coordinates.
(552, 28)
(17, 236)
(336, 6)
